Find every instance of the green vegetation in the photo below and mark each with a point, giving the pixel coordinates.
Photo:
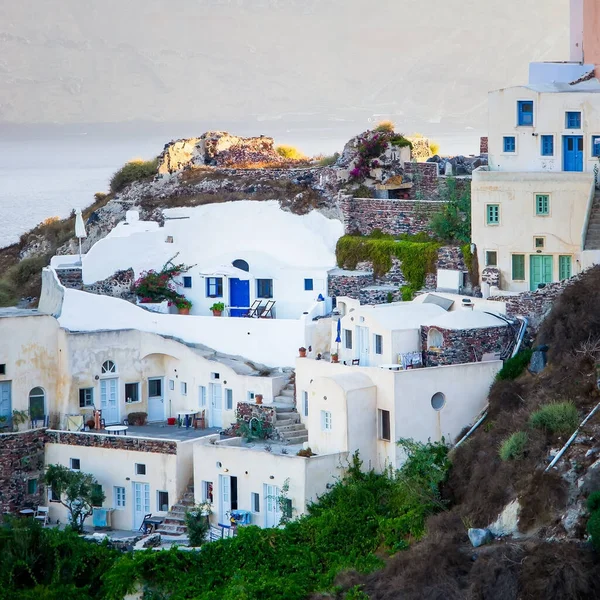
(453, 222)
(513, 447)
(134, 170)
(418, 258)
(513, 367)
(78, 492)
(347, 528)
(556, 417)
(290, 152)
(328, 161)
(197, 523)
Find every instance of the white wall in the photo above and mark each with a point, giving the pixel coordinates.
(276, 244)
(29, 347)
(114, 467)
(564, 228)
(273, 342)
(549, 119)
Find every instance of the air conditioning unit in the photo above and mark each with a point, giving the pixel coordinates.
(450, 280)
(467, 303)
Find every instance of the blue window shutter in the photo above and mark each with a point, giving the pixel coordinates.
(573, 120)
(547, 145)
(596, 145)
(509, 143)
(525, 112)
(308, 285)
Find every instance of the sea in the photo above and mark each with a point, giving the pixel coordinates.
(49, 171)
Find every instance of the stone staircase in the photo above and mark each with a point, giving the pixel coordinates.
(174, 523)
(287, 425)
(592, 237)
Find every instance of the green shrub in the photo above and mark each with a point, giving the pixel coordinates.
(557, 417)
(22, 272)
(328, 161)
(385, 127)
(364, 191)
(8, 294)
(417, 258)
(593, 528)
(196, 521)
(513, 447)
(134, 170)
(289, 152)
(406, 293)
(400, 141)
(514, 366)
(453, 222)
(593, 501)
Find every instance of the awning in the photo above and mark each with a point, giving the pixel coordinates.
(225, 271)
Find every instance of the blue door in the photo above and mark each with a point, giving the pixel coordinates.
(573, 153)
(5, 403)
(239, 297)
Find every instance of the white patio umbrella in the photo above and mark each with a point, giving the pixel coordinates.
(79, 229)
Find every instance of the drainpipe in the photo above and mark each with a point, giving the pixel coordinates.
(477, 424)
(524, 323)
(570, 440)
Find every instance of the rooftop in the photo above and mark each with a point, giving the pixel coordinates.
(169, 432)
(13, 311)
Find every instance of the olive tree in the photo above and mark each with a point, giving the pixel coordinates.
(78, 492)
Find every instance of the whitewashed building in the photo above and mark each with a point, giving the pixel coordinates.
(535, 210)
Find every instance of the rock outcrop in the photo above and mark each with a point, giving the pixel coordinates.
(219, 149)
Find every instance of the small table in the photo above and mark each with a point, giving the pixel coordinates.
(151, 524)
(186, 414)
(116, 429)
(27, 512)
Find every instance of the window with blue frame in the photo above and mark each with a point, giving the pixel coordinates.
(596, 145)
(187, 282)
(308, 285)
(547, 145)
(525, 112)
(264, 288)
(214, 287)
(573, 120)
(510, 144)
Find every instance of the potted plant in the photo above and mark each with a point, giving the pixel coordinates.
(217, 309)
(258, 398)
(90, 424)
(302, 351)
(334, 357)
(183, 305)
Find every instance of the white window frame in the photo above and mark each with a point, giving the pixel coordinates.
(202, 396)
(137, 470)
(87, 402)
(78, 467)
(326, 420)
(204, 488)
(119, 497)
(377, 336)
(380, 413)
(255, 503)
(183, 385)
(171, 385)
(228, 399)
(158, 505)
(305, 403)
(139, 395)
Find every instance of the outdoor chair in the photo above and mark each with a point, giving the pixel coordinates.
(267, 312)
(253, 311)
(144, 526)
(200, 420)
(41, 515)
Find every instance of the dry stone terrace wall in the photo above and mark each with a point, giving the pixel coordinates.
(360, 284)
(112, 442)
(465, 345)
(118, 285)
(21, 459)
(395, 217)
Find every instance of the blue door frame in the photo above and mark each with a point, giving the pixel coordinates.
(239, 297)
(572, 153)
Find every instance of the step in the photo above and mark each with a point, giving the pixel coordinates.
(292, 427)
(172, 529)
(282, 416)
(287, 400)
(297, 438)
(286, 392)
(285, 422)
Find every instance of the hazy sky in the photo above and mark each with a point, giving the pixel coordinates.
(284, 62)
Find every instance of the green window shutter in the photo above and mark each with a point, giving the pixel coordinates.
(518, 267)
(493, 214)
(542, 204)
(564, 267)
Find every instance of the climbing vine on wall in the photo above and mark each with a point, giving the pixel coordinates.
(417, 258)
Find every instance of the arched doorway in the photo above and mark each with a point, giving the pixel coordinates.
(37, 404)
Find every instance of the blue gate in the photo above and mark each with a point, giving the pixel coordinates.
(239, 297)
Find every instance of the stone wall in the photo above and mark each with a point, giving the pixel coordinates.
(465, 345)
(245, 412)
(112, 442)
(117, 285)
(395, 217)
(483, 145)
(21, 459)
(425, 180)
(70, 278)
(361, 284)
(533, 305)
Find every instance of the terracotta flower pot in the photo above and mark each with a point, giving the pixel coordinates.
(302, 352)
(258, 398)
(184, 311)
(334, 358)
(217, 313)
